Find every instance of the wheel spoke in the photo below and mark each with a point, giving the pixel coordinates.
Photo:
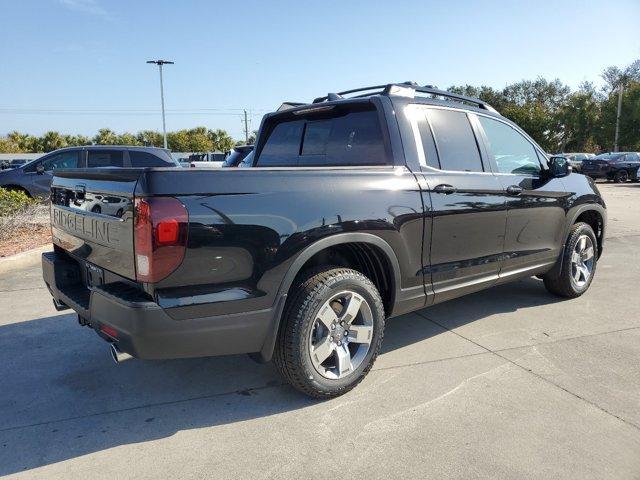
(585, 272)
(588, 254)
(582, 244)
(344, 360)
(327, 316)
(575, 258)
(576, 275)
(351, 309)
(321, 352)
(360, 333)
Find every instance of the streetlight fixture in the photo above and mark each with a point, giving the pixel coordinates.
(160, 63)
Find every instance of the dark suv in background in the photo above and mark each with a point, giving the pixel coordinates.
(576, 159)
(617, 166)
(34, 178)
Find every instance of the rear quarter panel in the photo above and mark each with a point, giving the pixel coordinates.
(244, 238)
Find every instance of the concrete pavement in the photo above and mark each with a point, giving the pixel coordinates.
(507, 383)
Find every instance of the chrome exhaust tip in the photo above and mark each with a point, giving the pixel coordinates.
(117, 355)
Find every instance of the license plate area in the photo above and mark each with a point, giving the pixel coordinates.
(94, 275)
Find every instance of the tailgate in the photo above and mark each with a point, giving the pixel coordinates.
(92, 216)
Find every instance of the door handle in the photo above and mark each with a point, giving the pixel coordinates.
(444, 188)
(514, 190)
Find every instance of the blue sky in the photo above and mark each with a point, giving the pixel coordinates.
(79, 65)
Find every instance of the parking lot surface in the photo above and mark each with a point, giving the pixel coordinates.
(507, 383)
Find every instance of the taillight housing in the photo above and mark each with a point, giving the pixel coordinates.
(160, 231)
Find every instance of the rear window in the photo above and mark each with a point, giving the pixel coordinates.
(105, 158)
(337, 138)
(146, 159)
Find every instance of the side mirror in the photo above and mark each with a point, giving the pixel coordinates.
(40, 169)
(559, 167)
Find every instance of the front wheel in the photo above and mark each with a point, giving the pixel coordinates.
(331, 332)
(621, 176)
(578, 263)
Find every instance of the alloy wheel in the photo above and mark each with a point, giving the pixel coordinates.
(582, 260)
(341, 335)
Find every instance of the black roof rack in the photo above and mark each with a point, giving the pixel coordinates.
(388, 89)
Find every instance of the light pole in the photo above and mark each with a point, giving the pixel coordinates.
(160, 63)
(620, 91)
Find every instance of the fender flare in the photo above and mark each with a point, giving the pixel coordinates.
(585, 208)
(266, 352)
(571, 220)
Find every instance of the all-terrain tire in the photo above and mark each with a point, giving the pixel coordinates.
(292, 354)
(565, 284)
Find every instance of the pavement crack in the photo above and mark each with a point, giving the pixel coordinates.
(528, 370)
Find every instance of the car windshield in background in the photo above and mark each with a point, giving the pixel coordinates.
(247, 162)
(233, 159)
(609, 156)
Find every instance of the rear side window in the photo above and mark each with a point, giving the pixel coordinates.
(283, 146)
(341, 139)
(455, 140)
(146, 159)
(105, 158)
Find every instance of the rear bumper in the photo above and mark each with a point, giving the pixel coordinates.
(142, 328)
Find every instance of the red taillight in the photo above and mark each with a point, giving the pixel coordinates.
(160, 234)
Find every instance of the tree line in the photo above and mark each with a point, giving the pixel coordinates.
(199, 139)
(559, 119)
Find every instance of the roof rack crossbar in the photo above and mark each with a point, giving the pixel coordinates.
(386, 89)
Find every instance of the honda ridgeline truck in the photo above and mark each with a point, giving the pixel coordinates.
(360, 206)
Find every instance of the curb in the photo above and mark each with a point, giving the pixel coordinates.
(23, 259)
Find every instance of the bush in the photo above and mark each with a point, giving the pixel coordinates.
(13, 202)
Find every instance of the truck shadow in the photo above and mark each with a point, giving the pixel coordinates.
(63, 397)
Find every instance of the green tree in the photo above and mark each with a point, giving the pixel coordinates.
(629, 119)
(23, 141)
(51, 141)
(150, 138)
(105, 136)
(221, 141)
(77, 140)
(127, 138)
(579, 120)
(7, 146)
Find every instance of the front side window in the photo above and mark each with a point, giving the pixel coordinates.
(510, 151)
(105, 158)
(61, 160)
(455, 140)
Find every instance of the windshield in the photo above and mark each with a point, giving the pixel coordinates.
(609, 156)
(233, 159)
(247, 162)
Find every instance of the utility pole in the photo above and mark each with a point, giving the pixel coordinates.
(160, 63)
(246, 128)
(620, 90)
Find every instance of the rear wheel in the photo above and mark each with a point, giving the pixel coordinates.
(578, 263)
(331, 332)
(621, 176)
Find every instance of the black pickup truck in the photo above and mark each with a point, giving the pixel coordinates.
(360, 206)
